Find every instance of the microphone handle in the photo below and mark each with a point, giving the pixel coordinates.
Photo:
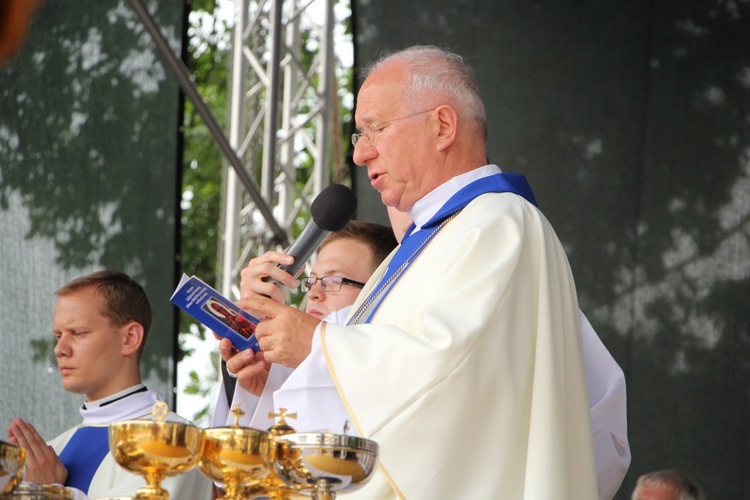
(304, 246)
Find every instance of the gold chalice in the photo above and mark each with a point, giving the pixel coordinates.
(12, 462)
(155, 449)
(322, 464)
(236, 456)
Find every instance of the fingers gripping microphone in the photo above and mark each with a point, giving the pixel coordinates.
(330, 210)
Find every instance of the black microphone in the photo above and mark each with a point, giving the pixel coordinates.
(331, 210)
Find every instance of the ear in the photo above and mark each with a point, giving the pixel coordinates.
(447, 121)
(133, 338)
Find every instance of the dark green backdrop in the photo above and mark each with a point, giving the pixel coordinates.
(88, 180)
(631, 120)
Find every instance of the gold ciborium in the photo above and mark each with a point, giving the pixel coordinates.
(322, 464)
(236, 456)
(272, 487)
(12, 461)
(155, 449)
(33, 491)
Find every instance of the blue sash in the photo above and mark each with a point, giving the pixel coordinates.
(413, 244)
(83, 455)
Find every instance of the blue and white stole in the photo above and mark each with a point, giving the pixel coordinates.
(414, 243)
(84, 452)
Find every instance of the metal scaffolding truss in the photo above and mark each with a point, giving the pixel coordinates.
(282, 115)
(280, 124)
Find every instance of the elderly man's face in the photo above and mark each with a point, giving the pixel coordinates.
(398, 139)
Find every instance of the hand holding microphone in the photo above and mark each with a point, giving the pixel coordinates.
(331, 210)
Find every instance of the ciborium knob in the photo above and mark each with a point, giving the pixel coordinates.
(272, 487)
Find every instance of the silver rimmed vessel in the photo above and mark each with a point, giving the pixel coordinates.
(321, 464)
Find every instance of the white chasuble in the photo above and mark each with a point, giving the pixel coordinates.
(470, 376)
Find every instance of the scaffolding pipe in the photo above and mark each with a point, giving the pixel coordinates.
(188, 86)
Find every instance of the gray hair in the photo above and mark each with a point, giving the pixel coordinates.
(441, 72)
(675, 480)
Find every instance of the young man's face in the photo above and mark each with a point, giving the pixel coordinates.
(347, 258)
(89, 347)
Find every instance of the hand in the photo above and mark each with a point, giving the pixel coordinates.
(42, 463)
(266, 267)
(251, 368)
(286, 335)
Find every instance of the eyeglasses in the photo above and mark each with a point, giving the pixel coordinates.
(377, 127)
(329, 283)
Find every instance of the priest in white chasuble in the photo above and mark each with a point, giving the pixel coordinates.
(462, 358)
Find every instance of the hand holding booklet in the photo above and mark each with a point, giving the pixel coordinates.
(216, 312)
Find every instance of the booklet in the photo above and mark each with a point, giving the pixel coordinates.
(216, 312)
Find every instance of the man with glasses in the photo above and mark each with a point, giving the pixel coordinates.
(345, 261)
(462, 357)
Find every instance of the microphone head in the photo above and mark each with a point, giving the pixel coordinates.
(333, 207)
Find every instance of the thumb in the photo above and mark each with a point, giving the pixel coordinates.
(226, 349)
